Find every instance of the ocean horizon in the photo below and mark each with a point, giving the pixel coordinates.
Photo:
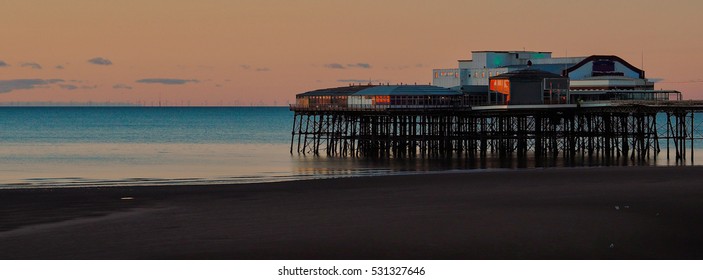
(79, 146)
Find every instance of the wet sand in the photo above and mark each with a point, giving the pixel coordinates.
(571, 213)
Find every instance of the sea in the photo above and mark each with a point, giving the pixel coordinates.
(147, 146)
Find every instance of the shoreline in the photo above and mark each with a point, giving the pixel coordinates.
(247, 180)
(547, 213)
(252, 180)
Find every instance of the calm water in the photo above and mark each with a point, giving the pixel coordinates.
(77, 146)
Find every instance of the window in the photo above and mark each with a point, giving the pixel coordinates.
(436, 74)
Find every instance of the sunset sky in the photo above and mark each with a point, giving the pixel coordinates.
(242, 52)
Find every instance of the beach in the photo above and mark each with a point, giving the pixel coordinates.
(558, 213)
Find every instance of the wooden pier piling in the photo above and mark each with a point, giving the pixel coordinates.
(624, 131)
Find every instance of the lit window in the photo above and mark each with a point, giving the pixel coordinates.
(483, 74)
(436, 74)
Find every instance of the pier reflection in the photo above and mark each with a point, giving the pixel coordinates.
(323, 167)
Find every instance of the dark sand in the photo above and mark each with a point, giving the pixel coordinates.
(580, 213)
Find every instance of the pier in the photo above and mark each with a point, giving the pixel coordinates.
(506, 105)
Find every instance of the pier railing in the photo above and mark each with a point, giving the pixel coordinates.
(366, 108)
(657, 103)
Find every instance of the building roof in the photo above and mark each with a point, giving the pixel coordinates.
(368, 90)
(407, 90)
(527, 74)
(605, 57)
(348, 90)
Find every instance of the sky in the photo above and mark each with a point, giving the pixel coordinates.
(263, 52)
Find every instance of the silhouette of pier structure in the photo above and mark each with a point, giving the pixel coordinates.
(443, 125)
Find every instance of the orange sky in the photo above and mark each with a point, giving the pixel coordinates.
(265, 51)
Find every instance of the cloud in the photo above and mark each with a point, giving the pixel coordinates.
(10, 85)
(121, 86)
(32, 65)
(349, 65)
(360, 65)
(75, 87)
(248, 67)
(100, 61)
(60, 67)
(334, 66)
(166, 81)
(3, 64)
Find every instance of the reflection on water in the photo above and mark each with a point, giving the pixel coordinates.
(80, 164)
(122, 164)
(325, 166)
